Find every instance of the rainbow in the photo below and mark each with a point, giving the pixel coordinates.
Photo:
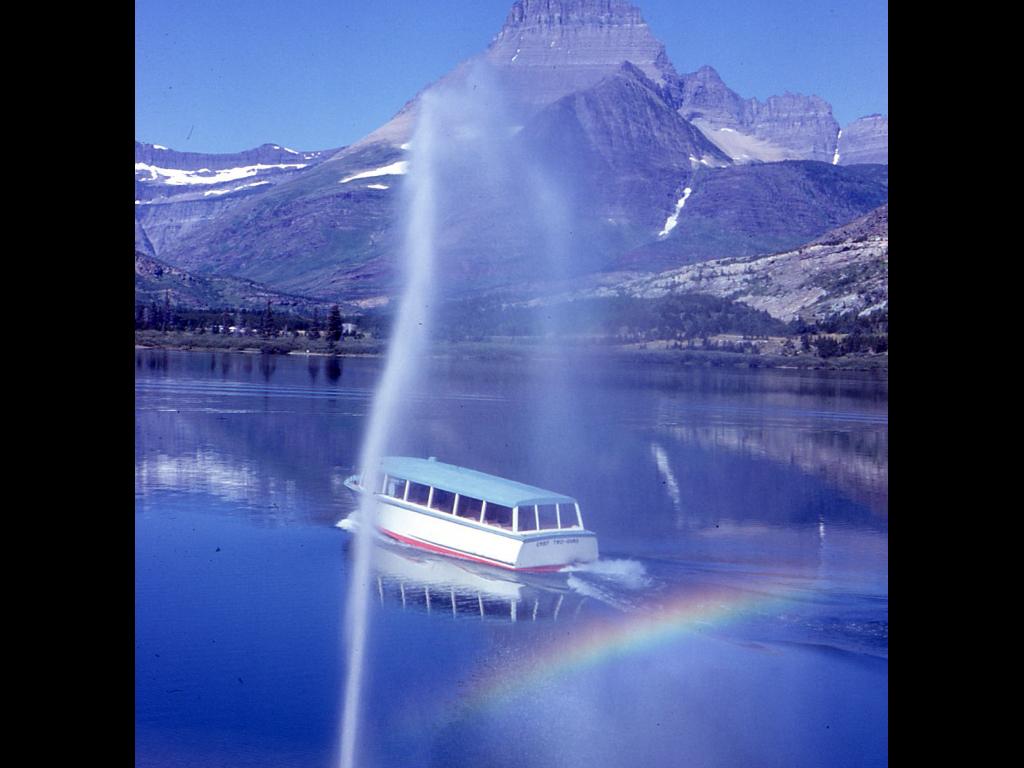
(602, 641)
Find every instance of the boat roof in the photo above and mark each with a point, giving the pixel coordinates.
(469, 482)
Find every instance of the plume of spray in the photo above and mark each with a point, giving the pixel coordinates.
(477, 204)
(408, 342)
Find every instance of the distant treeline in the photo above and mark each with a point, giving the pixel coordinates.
(862, 334)
(876, 323)
(677, 317)
(267, 322)
(684, 316)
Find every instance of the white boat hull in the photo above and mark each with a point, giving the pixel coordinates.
(450, 535)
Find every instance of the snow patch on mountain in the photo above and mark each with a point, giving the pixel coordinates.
(395, 169)
(742, 147)
(179, 177)
(234, 189)
(673, 219)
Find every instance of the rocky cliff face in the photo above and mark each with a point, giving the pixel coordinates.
(787, 127)
(703, 95)
(157, 281)
(803, 126)
(846, 270)
(865, 140)
(142, 243)
(547, 49)
(759, 208)
(635, 152)
(550, 48)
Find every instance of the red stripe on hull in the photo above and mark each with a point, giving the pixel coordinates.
(453, 553)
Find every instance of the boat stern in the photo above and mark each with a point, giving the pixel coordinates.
(553, 552)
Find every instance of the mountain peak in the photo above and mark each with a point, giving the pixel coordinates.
(707, 74)
(703, 94)
(631, 69)
(550, 48)
(571, 12)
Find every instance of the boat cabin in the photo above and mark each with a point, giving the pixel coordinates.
(477, 497)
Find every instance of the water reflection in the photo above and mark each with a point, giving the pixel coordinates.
(333, 368)
(268, 365)
(154, 360)
(411, 580)
(668, 477)
(854, 460)
(868, 388)
(313, 368)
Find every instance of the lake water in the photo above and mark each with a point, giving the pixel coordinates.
(738, 615)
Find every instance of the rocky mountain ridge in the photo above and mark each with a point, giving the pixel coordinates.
(656, 188)
(865, 140)
(787, 127)
(157, 281)
(161, 172)
(844, 271)
(547, 49)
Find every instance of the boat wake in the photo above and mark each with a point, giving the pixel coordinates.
(352, 524)
(615, 583)
(630, 574)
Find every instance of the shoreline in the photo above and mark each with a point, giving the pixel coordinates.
(876, 363)
(252, 351)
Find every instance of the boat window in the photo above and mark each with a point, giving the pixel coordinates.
(567, 516)
(496, 514)
(418, 493)
(469, 508)
(443, 501)
(528, 518)
(546, 516)
(395, 487)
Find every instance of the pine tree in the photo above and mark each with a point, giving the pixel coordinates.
(314, 329)
(267, 322)
(166, 318)
(827, 346)
(334, 324)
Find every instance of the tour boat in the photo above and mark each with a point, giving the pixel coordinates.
(475, 516)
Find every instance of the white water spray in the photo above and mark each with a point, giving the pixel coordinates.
(467, 174)
(408, 343)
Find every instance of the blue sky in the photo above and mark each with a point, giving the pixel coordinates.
(228, 75)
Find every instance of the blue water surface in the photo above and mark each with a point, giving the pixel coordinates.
(738, 615)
